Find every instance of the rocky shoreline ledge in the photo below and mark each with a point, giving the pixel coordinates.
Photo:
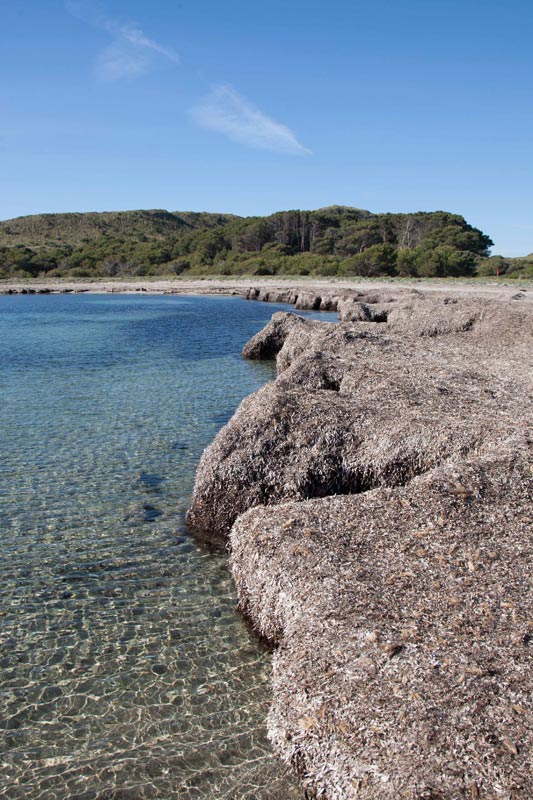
(378, 503)
(303, 293)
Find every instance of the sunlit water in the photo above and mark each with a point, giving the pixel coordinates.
(126, 672)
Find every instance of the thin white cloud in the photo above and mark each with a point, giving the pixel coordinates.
(136, 37)
(128, 55)
(116, 62)
(224, 110)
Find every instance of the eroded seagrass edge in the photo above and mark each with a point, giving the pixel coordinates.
(451, 388)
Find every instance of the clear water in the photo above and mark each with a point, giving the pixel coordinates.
(125, 670)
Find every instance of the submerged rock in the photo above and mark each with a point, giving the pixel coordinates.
(139, 513)
(150, 482)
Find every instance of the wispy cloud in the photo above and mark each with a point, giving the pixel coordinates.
(224, 110)
(130, 52)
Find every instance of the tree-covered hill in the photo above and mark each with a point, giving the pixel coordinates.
(51, 230)
(337, 240)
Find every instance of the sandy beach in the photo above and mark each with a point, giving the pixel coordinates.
(234, 286)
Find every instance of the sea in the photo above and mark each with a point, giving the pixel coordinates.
(126, 670)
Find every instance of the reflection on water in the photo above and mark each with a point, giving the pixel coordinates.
(125, 670)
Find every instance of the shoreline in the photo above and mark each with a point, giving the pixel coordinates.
(376, 498)
(235, 286)
(366, 490)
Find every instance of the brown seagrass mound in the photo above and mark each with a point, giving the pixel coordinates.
(381, 497)
(405, 623)
(347, 302)
(269, 341)
(362, 405)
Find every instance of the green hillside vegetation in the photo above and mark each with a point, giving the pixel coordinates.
(49, 230)
(333, 241)
(510, 267)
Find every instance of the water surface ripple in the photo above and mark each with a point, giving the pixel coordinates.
(126, 672)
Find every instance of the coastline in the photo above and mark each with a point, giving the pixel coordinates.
(377, 502)
(376, 499)
(234, 286)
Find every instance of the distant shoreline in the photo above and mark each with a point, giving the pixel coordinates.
(236, 286)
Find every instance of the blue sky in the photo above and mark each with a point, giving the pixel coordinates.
(251, 108)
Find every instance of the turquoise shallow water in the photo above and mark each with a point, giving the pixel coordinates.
(125, 671)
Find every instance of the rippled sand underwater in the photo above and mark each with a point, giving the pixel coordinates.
(126, 671)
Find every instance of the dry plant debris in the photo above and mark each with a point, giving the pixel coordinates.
(379, 496)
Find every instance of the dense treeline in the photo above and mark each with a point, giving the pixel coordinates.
(510, 267)
(330, 241)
